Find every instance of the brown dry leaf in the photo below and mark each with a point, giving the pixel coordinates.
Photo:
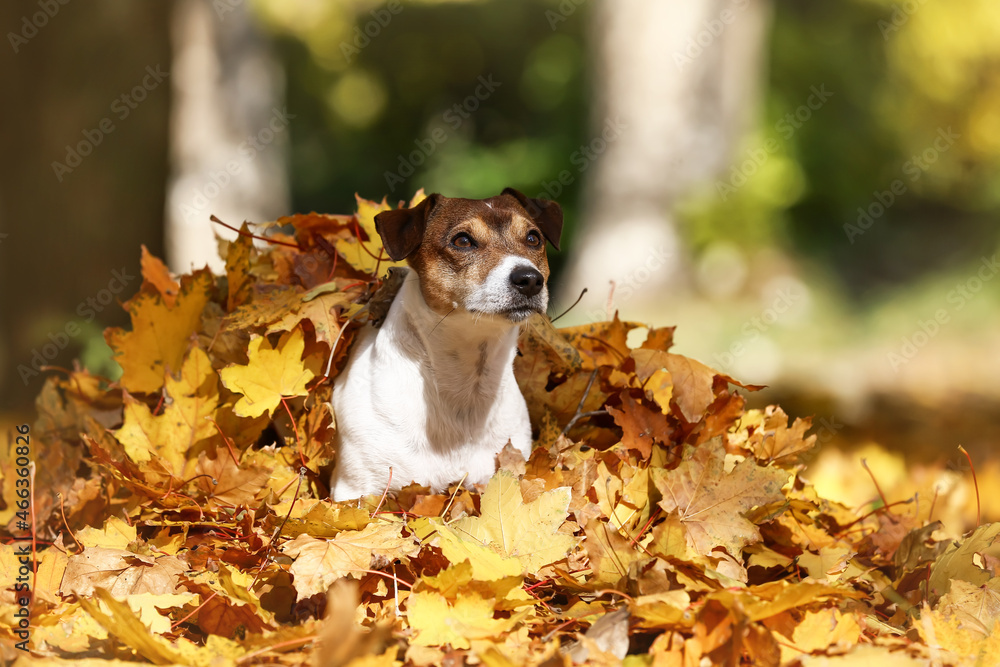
(773, 441)
(228, 482)
(318, 563)
(711, 503)
(121, 572)
(640, 425)
(160, 333)
(600, 343)
(692, 386)
(323, 311)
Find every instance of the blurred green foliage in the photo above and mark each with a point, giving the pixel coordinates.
(876, 153)
(896, 176)
(465, 98)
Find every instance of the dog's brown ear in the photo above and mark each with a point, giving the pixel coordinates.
(402, 229)
(547, 214)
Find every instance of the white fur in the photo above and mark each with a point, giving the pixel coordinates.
(433, 398)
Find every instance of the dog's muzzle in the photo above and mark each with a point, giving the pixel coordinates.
(514, 290)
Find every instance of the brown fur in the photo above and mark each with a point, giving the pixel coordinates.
(448, 273)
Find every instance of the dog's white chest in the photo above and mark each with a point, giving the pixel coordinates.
(433, 400)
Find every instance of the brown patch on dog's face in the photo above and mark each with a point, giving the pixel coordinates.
(465, 239)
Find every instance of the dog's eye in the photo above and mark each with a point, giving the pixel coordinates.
(463, 240)
(533, 239)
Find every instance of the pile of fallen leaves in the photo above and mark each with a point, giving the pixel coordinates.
(180, 514)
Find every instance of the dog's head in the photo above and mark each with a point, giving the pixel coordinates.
(483, 256)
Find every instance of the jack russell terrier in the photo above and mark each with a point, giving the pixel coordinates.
(431, 395)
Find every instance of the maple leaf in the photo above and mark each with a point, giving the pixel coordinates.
(640, 425)
(157, 276)
(527, 532)
(272, 373)
(711, 502)
(438, 621)
(322, 310)
(318, 563)
(692, 381)
(160, 333)
(977, 606)
(771, 439)
(363, 255)
(121, 572)
(184, 422)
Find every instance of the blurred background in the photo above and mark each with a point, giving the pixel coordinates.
(809, 191)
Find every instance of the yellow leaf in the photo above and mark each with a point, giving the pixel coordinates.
(823, 629)
(170, 435)
(116, 534)
(470, 617)
(364, 255)
(528, 532)
(487, 564)
(272, 374)
(122, 622)
(651, 369)
(160, 334)
(148, 606)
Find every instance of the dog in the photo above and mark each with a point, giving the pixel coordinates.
(430, 396)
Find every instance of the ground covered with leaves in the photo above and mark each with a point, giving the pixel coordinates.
(180, 514)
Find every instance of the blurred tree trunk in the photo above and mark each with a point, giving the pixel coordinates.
(228, 130)
(676, 86)
(86, 93)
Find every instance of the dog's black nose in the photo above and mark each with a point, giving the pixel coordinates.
(527, 280)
